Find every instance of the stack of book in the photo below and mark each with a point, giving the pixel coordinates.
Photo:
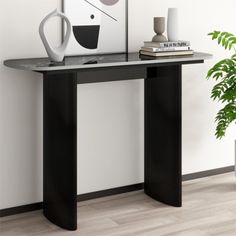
(163, 49)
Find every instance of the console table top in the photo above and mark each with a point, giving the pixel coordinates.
(98, 61)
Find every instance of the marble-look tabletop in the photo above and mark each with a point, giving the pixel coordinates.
(98, 61)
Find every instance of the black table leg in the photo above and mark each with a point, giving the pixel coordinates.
(60, 152)
(163, 134)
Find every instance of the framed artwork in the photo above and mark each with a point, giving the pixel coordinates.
(99, 26)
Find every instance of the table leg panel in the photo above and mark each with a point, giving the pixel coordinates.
(163, 134)
(60, 155)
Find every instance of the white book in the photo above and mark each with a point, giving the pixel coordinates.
(167, 44)
(165, 54)
(168, 49)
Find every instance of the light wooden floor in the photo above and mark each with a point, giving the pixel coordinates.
(209, 208)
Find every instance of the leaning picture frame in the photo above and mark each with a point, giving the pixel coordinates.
(98, 26)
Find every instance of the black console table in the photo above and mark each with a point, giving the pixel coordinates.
(162, 123)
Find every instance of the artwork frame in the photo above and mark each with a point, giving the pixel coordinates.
(102, 48)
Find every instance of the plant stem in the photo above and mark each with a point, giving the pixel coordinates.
(234, 49)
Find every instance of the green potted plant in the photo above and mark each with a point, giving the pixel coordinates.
(224, 91)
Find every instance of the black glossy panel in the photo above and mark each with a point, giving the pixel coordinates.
(163, 134)
(60, 155)
(111, 74)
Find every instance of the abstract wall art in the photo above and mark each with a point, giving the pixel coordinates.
(99, 26)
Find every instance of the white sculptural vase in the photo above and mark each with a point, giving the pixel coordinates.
(55, 54)
(172, 25)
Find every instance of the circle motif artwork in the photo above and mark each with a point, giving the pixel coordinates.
(93, 23)
(109, 2)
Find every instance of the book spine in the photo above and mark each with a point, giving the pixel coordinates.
(177, 53)
(175, 44)
(167, 44)
(165, 49)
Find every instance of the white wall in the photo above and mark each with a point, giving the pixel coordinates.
(114, 110)
(110, 135)
(201, 151)
(21, 102)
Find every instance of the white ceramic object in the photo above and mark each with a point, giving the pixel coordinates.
(56, 54)
(172, 25)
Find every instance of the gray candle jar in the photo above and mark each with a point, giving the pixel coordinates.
(159, 29)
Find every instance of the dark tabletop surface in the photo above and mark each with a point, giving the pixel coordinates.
(109, 60)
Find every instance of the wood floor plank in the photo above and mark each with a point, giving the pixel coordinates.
(209, 209)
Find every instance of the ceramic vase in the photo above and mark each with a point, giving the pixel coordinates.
(55, 54)
(159, 28)
(172, 25)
